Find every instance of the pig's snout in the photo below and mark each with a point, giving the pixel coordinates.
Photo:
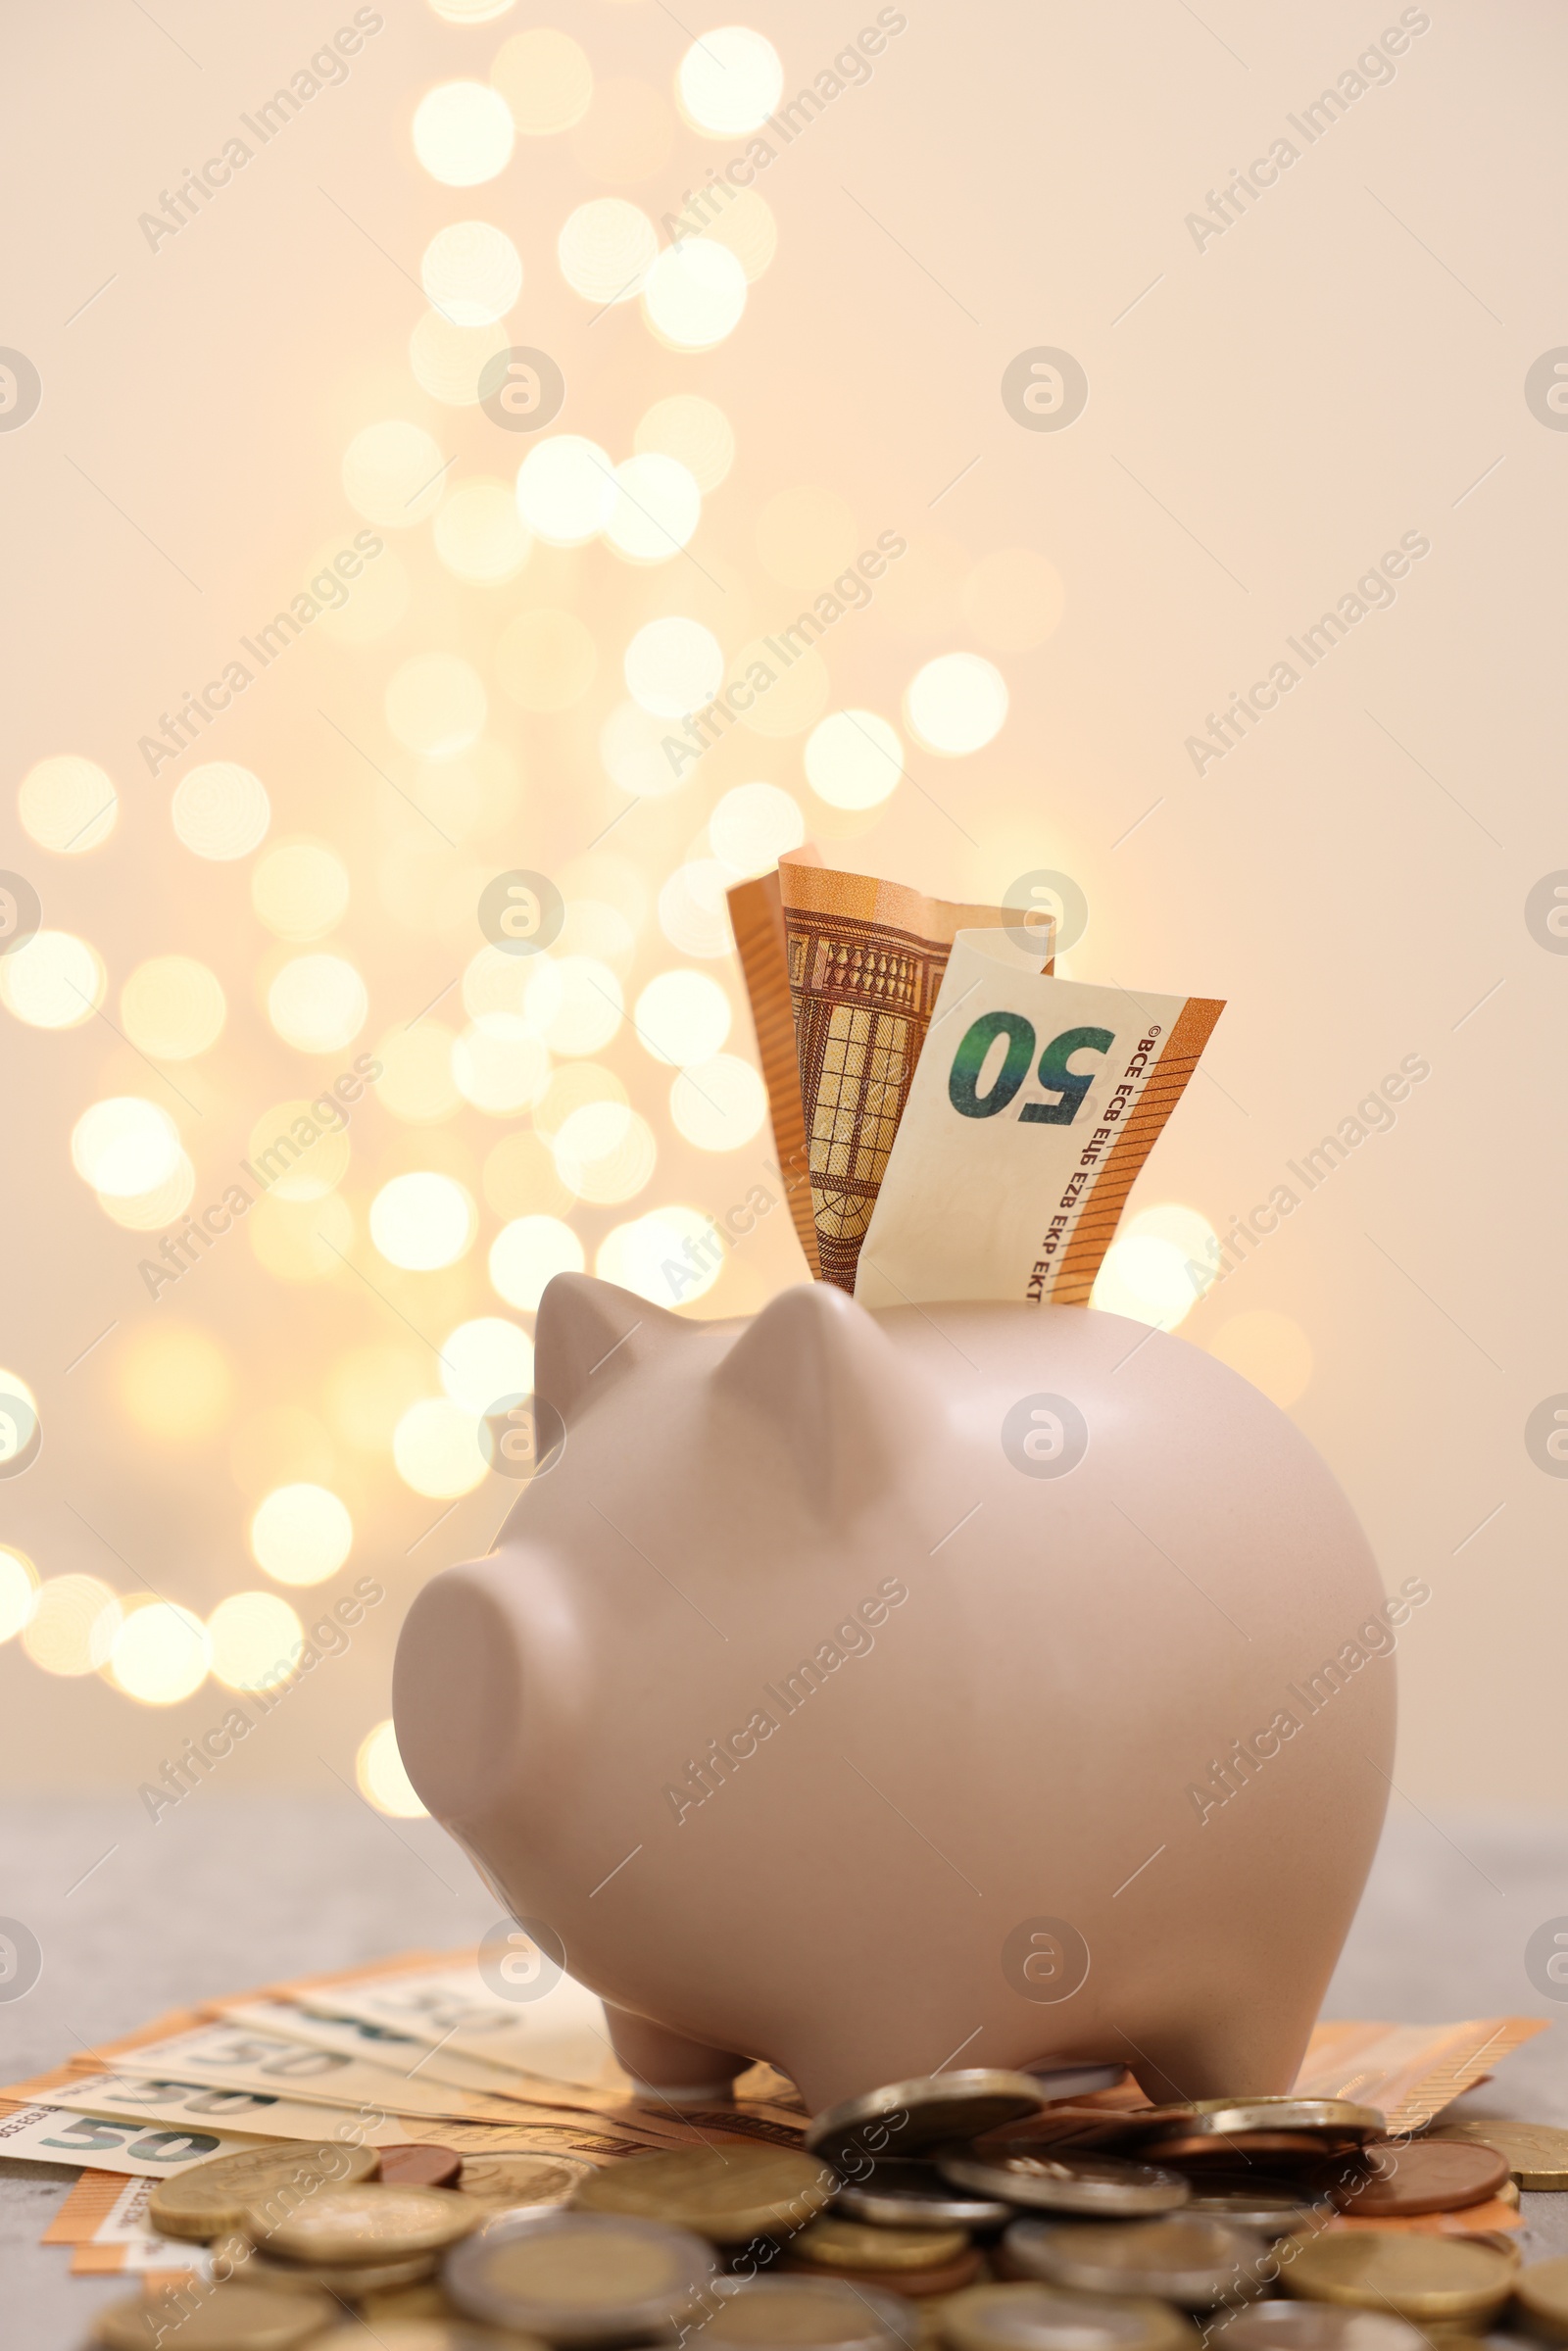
(457, 1694)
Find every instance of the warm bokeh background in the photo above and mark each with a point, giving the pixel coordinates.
(1269, 410)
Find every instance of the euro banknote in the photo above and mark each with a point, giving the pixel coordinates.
(1031, 1110)
(144, 2147)
(104, 2220)
(349, 2037)
(116, 2096)
(843, 972)
(562, 2036)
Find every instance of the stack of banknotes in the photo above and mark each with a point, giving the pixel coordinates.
(423, 2051)
(951, 1119)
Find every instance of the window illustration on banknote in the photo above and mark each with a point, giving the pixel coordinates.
(862, 995)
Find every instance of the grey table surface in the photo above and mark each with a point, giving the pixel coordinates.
(241, 1891)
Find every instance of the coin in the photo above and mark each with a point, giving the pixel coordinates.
(1085, 2126)
(906, 2118)
(1536, 2153)
(727, 2195)
(368, 2223)
(510, 2182)
(579, 2277)
(419, 2334)
(212, 2198)
(902, 2192)
(789, 2314)
(1543, 2294)
(1223, 2117)
(910, 2284)
(400, 2303)
(350, 2280)
(420, 2167)
(224, 2317)
(1427, 2176)
(1090, 2183)
(1417, 2277)
(1315, 2327)
(1258, 2202)
(834, 2244)
(1196, 2263)
(1042, 2317)
(1293, 2151)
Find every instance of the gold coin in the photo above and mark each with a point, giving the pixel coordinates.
(727, 2195)
(508, 2181)
(1422, 2279)
(835, 2245)
(212, 2198)
(366, 2223)
(1542, 2292)
(1536, 2153)
(222, 2318)
(350, 2280)
(906, 2118)
(402, 2302)
(1043, 2317)
(423, 2334)
(1313, 2326)
(1204, 2118)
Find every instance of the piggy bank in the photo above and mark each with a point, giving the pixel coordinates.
(879, 1692)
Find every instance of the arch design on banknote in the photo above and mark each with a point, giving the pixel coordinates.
(862, 994)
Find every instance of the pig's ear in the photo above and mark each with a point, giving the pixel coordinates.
(589, 1335)
(853, 1412)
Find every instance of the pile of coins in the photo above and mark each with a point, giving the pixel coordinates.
(958, 2212)
(301, 2236)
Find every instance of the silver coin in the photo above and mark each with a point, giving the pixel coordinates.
(579, 2278)
(1023, 2173)
(1273, 2206)
(809, 2314)
(1195, 2263)
(899, 2192)
(1316, 2327)
(906, 2118)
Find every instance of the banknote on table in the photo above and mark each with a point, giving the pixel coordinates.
(104, 2220)
(448, 2006)
(229, 2058)
(155, 2104)
(46, 2133)
(562, 2036)
(1409, 2072)
(326, 2028)
(764, 2106)
(1032, 1108)
(354, 2102)
(843, 973)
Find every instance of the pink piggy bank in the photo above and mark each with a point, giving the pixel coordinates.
(954, 1686)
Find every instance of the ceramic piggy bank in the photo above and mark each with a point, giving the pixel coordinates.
(987, 1685)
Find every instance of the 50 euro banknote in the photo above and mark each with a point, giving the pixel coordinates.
(843, 972)
(1030, 1111)
(951, 1121)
